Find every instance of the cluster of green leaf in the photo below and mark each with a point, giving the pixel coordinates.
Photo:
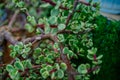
(20, 49)
(71, 39)
(17, 68)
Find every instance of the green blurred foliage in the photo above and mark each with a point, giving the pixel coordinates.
(106, 38)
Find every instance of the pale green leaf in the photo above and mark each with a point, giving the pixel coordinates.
(60, 74)
(63, 66)
(82, 69)
(29, 27)
(61, 26)
(54, 12)
(99, 57)
(52, 20)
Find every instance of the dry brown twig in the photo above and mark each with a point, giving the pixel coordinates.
(13, 18)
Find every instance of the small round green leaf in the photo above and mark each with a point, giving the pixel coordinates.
(61, 37)
(63, 66)
(56, 45)
(45, 74)
(14, 75)
(37, 50)
(28, 64)
(65, 50)
(20, 4)
(92, 51)
(52, 19)
(49, 67)
(10, 68)
(18, 65)
(82, 69)
(54, 12)
(31, 19)
(41, 57)
(61, 26)
(42, 70)
(60, 74)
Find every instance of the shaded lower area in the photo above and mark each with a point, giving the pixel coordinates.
(107, 40)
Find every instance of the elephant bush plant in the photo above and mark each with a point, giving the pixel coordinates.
(60, 43)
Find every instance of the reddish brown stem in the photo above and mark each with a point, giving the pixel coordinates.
(94, 56)
(27, 69)
(71, 14)
(53, 71)
(93, 69)
(70, 71)
(43, 26)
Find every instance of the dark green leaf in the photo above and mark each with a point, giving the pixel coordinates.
(37, 50)
(65, 50)
(28, 64)
(19, 65)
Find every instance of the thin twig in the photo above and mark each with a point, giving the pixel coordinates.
(13, 18)
(70, 71)
(27, 69)
(93, 69)
(73, 10)
(8, 36)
